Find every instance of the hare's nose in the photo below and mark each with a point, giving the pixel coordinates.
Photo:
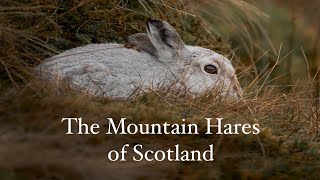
(236, 88)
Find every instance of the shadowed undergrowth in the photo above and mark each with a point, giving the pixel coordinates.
(34, 144)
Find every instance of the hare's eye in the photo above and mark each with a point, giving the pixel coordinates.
(211, 69)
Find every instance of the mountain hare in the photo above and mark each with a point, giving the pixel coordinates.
(148, 61)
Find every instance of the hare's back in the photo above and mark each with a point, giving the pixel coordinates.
(101, 57)
(103, 68)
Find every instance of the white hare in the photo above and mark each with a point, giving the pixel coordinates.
(158, 58)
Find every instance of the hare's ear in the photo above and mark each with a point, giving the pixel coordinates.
(141, 42)
(165, 39)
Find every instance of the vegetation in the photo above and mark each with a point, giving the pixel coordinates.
(34, 144)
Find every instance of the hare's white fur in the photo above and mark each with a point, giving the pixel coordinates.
(156, 59)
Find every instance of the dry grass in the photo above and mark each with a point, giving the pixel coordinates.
(34, 144)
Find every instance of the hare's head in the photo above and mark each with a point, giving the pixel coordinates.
(199, 69)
